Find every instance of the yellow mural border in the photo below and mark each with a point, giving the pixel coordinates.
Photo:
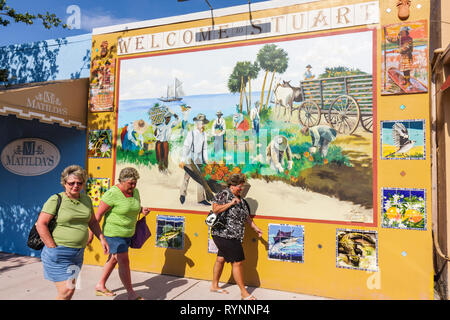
(405, 267)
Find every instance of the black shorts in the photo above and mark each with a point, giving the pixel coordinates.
(230, 249)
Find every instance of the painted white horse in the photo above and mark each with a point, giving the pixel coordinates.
(285, 95)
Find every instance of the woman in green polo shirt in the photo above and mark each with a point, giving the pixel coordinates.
(121, 205)
(62, 255)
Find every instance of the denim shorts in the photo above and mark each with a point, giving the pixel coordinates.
(62, 263)
(118, 244)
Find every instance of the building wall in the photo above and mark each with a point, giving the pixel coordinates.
(404, 267)
(441, 98)
(56, 59)
(22, 197)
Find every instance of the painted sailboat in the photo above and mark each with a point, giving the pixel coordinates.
(174, 92)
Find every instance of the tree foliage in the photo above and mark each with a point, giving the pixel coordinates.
(271, 58)
(8, 15)
(243, 70)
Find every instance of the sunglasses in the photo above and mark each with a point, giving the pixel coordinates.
(74, 183)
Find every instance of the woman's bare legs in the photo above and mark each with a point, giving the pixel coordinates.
(107, 269)
(238, 275)
(217, 272)
(125, 274)
(65, 290)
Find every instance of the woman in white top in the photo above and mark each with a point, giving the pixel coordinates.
(218, 131)
(195, 152)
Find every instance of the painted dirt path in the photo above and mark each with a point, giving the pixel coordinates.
(160, 190)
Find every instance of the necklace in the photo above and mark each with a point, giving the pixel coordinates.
(73, 200)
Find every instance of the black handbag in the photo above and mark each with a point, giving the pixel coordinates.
(34, 239)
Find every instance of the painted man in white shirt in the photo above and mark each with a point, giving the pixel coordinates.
(218, 131)
(195, 149)
(275, 151)
(254, 117)
(162, 134)
(185, 110)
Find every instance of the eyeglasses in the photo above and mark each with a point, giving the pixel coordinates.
(74, 183)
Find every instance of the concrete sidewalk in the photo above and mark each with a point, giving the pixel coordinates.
(21, 278)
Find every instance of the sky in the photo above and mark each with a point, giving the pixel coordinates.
(98, 13)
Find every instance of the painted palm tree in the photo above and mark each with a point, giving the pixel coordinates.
(271, 59)
(242, 74)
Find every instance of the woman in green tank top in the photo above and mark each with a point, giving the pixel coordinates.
(120, 205)
(62, 255)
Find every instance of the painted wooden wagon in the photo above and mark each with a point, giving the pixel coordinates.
(345, 103)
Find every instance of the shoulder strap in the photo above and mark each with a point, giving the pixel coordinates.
(58, 204)
(248, 207)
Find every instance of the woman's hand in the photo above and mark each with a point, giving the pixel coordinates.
(258, 231)
(91, 237)
(235, 200)
(219, 208)
(42, 228)
(104, 244)
(145, 211)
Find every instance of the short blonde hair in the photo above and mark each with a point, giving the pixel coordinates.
(75, 170)
(128, 173)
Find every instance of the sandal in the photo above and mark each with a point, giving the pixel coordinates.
(250, 297)
(105, 293)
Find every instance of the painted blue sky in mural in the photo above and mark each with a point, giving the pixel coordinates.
(205, 84)
(142, 78)
(99, 13)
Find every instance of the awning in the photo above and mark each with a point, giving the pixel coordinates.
(63, 102)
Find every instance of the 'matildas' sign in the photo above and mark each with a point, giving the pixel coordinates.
(299, 22)
(30, 157)
(62, 102)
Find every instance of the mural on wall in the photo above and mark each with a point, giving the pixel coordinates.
(95, 188)
(286, 242)
(357, 249)
(404, 67)
(102, 80)
(294, 116)
(170, 232)
(99, 143)
(403, 139)
(403, 208)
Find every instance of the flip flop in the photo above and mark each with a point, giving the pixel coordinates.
(250, 297)
(219, 291)
(104, 293)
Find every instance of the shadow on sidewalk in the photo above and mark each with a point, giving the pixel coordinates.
(159, 286)
(11, 261)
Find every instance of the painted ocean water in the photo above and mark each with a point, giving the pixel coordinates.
(130, 110)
